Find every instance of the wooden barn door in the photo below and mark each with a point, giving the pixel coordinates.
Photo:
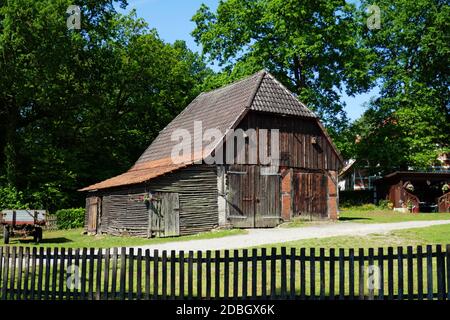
(310, 195)
(241, 196)
(267, 199)
(253, 198)
(93, 205)
(164, 215)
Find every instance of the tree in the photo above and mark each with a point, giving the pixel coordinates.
(409, 124)
(78, 106)
(313, 47)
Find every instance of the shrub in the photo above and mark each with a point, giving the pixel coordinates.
(384, 204)
(70, 218)
(11, 198)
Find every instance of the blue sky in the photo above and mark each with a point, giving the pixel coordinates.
(172, 20)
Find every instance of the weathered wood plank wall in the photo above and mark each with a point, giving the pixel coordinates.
(125, 211)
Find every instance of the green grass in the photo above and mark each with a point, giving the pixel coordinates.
(409, 237)
(356, 214)
(370, 214)
(75, 238)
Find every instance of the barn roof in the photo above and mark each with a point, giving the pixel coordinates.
(221, 109)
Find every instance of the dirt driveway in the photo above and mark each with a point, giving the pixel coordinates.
(258, 237)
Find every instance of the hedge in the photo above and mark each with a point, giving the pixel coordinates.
(70, 218)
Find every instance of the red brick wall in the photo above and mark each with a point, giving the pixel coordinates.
(333, 212)
(286, 182)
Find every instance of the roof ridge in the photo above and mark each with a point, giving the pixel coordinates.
(227, 86)
(273, 78)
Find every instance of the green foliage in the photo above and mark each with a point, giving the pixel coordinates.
(409, 124)
(384, 204)
(349, 198)
(10, 198)
(313, 47)
(80, 106)
(70, 218)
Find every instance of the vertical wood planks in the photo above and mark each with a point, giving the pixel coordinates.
(390, 273)
(40, 273)
(273, 279)
(27, 274)
(190, 274)
(173, 258)
(322, 272)
(372, 274)
(208, 274)
(361, 273)
(312, 272)
(26, 271)
(147, 274)
(235, 274)
(341, 274)
(381, 274)
(263, 273)
(217, 274)
(122, 277)
(106, 274)
(292, 260)
(429, 272)
(139, 274)
(283, 279)
(83, 273)
(156, 274)
(164, 274)
(302, 273)
(332, 274)
(181, 274)
(226, 275)
(254, 273)
(5, 273)
(19, 273)
(440, 272)
(351, 273)
(409, 263)
(130, 273)
(114, 273)
(419, 273)
(400, 272)
(199, 275)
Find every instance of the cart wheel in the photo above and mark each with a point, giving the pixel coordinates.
(6, 235)
(37, 235)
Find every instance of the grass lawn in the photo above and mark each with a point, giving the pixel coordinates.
(75, 238)
(373, 215)
(409, 237)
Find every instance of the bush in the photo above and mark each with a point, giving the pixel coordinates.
(70, 218)
(11, 198)
(348, 198)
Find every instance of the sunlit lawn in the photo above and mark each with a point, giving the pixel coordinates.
(75, 238)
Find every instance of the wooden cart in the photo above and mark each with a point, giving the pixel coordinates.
(22, 223)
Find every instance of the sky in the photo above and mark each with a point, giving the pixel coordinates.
(172, 20)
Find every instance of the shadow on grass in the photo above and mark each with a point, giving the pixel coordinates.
(353, 218)
(51, 240)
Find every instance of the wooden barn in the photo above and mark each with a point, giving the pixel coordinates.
(162, 197)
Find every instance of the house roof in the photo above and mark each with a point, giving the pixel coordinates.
(220, 109)
(414, 175)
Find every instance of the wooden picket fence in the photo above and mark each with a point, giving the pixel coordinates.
(80, 274)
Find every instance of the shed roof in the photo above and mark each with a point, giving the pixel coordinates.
(221, 109)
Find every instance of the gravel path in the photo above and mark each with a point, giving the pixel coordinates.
(258, 237)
